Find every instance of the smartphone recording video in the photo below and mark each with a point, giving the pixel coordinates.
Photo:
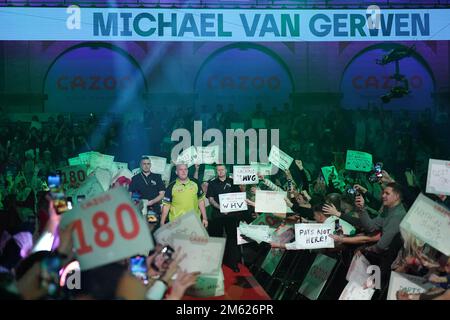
(57, 193)
(138, 267)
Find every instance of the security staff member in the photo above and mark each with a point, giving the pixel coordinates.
(222, 184)
(149, 185)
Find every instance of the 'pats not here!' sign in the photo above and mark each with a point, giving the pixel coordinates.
(313, 236)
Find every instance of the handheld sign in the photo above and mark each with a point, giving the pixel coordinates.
(158, 164)
(354, 291)
(279, 158)
(167, 172)
(107, 228)
(406, 282)
(317, 277)
(270, 201)
(208, 155)
(91, 187)
(73, 176)
(259, 233)
(75, 161)
(438, 179)
(209, 173)
(188, 156)
(429, 222)
(232, 202)
(272, 260)
(187, 225)
(313, 236)
(357, 272)
(244, 175)
(204, 255)
(262, 168)
(358, 161)
(208, 285)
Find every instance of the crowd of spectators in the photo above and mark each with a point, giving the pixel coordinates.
(29, 151)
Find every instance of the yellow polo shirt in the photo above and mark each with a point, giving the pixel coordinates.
(183, 197)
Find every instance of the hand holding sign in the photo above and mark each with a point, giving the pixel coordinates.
(232, 202)
(358, 161)
(279, 158)
(313, 236)
(244, 175)
(438, 179)
(107, 228)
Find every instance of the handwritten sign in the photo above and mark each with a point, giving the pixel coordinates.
(107, 228)
(207, 155)
(245, 175)
(313, 236)
(204, 255)
(272, 260)
(405, 282)
(158, 164)
(438, 179)
(73, 176)
(317, 277)
(358, 161)
(262, 168)
(270, 201)
(279, 158)
(232, 202)
(188, 156)
(187, 225)
(91, 187)
(429, 222)
(354, 291)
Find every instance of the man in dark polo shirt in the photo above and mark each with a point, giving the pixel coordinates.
(149, 185)
(229, 221)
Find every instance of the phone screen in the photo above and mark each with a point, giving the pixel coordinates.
(138, 267)
(50, 268)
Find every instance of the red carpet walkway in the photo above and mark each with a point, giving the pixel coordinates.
(238, 286)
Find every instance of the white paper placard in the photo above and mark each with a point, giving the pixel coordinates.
(107, 228)
(313, 236)
(354, 291)
(207, 155)
(279, 158)
(188, 156)
(270, 201)
(245, 175)
(405, 282)
(158, 164)
(204, 255)
(232, 202)
(357, 272)
(188, 225)
(430, 222)
(438, 179)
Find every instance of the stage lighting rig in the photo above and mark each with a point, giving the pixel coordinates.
(401, 87)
